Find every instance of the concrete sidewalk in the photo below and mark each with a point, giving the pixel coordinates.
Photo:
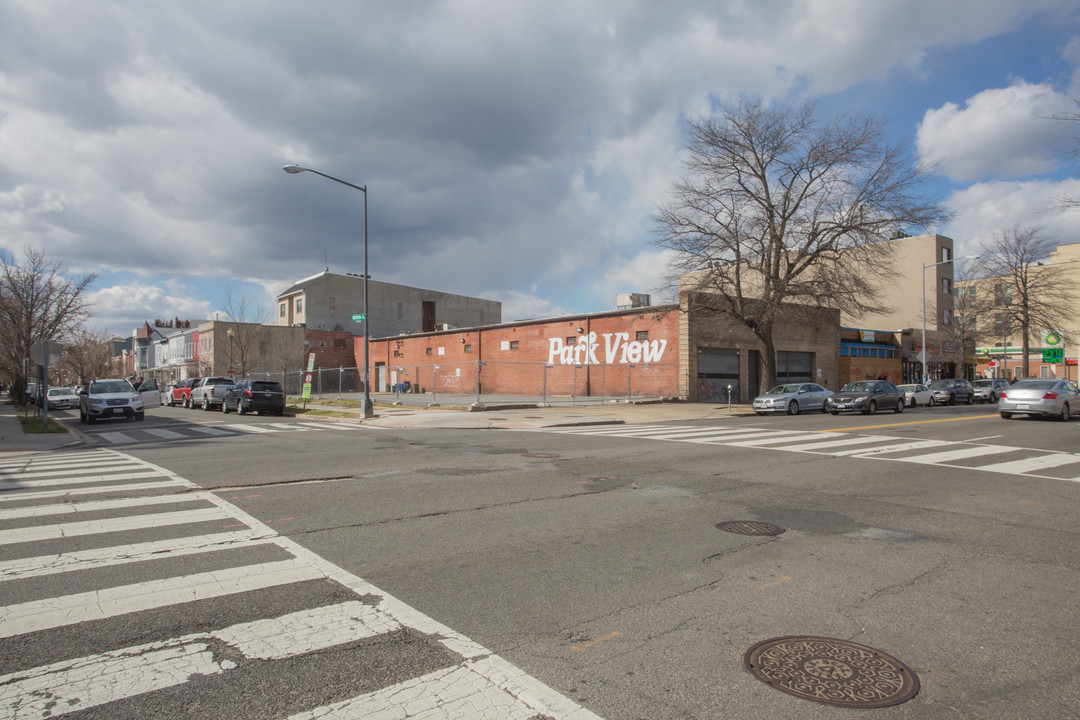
(519, 415)
(13, 440)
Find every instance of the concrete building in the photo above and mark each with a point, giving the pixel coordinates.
(329, 301)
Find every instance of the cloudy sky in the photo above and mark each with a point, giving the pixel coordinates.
(511, 150)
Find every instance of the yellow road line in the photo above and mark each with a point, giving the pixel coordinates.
(913, 422)
(587, 645)
(774, 583)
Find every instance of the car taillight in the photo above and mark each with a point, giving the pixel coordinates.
(1050, 396)
(248, 393)
(1002, 393)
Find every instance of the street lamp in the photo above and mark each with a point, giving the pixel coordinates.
(926, 376)
(293, 170)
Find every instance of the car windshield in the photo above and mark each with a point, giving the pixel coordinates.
(56, 392)
(906, 388)
(219, 381)
(983, 383)
(943, 384)
(783, 389)
(266, 386)
(110, 386)
(858, 387)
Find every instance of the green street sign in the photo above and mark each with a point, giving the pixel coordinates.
(358, 318)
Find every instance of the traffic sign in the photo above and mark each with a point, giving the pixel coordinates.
(358, 318)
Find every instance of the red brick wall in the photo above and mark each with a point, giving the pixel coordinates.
(596, 362)
(332, 349)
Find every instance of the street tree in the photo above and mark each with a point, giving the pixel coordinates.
(38, 302)
(244, 318)
(1029, 294)
(87, 354)
(1070, 153)
(778, 207)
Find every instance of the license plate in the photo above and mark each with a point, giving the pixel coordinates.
(1022, 407)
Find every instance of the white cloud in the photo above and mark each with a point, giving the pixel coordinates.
(121, 308)
(988, 208)
(517, 305)
(1003, 133)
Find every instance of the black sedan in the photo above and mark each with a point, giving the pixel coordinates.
(255, 395)
(867, 397)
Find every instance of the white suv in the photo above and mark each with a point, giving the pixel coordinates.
(210, 392)
(109, 399)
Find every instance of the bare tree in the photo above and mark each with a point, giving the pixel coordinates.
(969, 309)
(779, 207)
(1028, 294)
(37, 302)
(244, 317)
(87, 354)
(1070, 153)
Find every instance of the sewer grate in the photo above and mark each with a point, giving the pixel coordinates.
(833, 672)
(749, 527)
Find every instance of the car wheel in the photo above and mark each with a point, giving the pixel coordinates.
(871, 407)
(793, 408)
(205, 404)
(993, 397)
(224, 407)
(835, 412)
(899, 408)
(186, 402)
(1006, 415)
(240, 410)
(82, 416)
(952, 399)
(931, 403)
(1064, 416)
(279, 412)
(90, 419)
(971, 399)
(759, 412)
(824, 408)
(140, 415)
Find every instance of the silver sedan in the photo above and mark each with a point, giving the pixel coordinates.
(792, 399)
(1046, 398)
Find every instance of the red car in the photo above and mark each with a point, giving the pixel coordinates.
(180, 393)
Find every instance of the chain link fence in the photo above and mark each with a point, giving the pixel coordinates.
(476, 380)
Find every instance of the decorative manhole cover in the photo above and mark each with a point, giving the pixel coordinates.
(749, 527)
(540, 456)
(834, 672)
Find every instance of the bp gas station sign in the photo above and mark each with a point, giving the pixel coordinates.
(1053, 351)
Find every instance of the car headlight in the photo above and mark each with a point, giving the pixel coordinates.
(861, 398)
(97, 402)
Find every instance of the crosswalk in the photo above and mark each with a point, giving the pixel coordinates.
(969, 455)
(190, 431)
(125, 584)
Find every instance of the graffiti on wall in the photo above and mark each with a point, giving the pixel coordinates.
(618, 348)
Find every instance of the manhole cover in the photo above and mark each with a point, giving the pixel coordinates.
(540, 456)
(834, 672)
(749, 527)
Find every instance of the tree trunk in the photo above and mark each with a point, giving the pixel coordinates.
(767, 377)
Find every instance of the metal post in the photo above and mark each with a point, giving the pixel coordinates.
(434, 384)
(544, 399)
(477, 381)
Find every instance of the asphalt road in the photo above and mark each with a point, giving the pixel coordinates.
(590, 558)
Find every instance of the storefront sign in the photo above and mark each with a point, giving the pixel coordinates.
(617, 348)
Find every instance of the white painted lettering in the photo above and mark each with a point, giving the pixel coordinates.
(654, 350)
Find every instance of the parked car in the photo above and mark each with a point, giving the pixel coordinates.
(102, 399)
(867, 396)
(989, 390)
(792, 399)
(258, 395)
(61, 397)
(917, 394)
(1043, 397)
(209, 392)
(950, 391)
(181, 392)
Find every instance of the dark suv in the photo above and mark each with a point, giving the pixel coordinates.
(952, 391)
(258, 395)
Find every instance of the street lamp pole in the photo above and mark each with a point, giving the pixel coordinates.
(926, 376)
(367, 406)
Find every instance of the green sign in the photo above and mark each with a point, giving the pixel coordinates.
(358, 318)
(1053, 355)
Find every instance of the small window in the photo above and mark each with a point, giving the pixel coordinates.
(427, 351)
(572, 340)
(946, 254)
(946, 285)
(513, 344)
(468, 348)
(299, 305)
(642, 335)
(322, 343)
(281, 310)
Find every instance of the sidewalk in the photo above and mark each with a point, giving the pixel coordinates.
(14, 440)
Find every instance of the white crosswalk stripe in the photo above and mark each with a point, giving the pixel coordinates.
(990, 458)
(190, 431)
(221, 552)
